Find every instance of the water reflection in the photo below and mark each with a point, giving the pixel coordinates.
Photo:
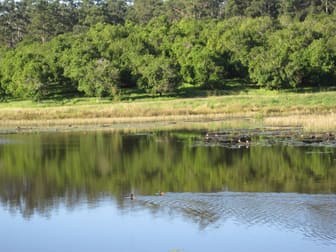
(312, 215)
(40, 172)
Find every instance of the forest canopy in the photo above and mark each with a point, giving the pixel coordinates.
(99, 48)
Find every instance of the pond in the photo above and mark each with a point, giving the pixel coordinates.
(258, 190)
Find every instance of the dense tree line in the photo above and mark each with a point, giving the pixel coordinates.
(97, 48)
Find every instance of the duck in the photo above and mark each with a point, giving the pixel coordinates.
(312, 139)
(330, 137)
(211, 136)
(160, 193)
(244, 139)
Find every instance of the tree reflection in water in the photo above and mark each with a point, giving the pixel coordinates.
(38, 172)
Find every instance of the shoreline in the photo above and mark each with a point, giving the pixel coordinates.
(308, 123)
(124, 124)
(311, 112)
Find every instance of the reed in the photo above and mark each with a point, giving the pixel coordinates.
(312, 122)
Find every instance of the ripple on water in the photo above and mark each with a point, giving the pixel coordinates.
(312, 215)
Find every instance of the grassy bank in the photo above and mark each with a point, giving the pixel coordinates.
(313, 111)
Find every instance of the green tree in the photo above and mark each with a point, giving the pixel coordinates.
(235, 8)
(175, 10)
(239, 36)
(86, 63)
(323, 6)
(55, 51)
(50, 18)
(76, 57)
(99, 78)
(298, 9)
(2, 90)
(329, 6)
(116, 11)
(259, 8)
(142, 11)
(26, 73)
(14, 21)
(203, 8)
(90, 13)
(159, 74)
(288, 58)
(321, 63)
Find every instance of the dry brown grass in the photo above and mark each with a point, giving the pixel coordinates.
(310, 122)
(313, 112)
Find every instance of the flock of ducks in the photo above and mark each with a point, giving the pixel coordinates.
(244, 139)
(315, 138)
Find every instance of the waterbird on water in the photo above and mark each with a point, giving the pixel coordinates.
(131, 196)
(244, 139)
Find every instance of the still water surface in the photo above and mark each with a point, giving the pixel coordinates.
(69, 192)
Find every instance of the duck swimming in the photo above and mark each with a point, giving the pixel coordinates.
(131, 196)
(244, 139)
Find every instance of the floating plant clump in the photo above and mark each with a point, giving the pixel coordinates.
(266, 137)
